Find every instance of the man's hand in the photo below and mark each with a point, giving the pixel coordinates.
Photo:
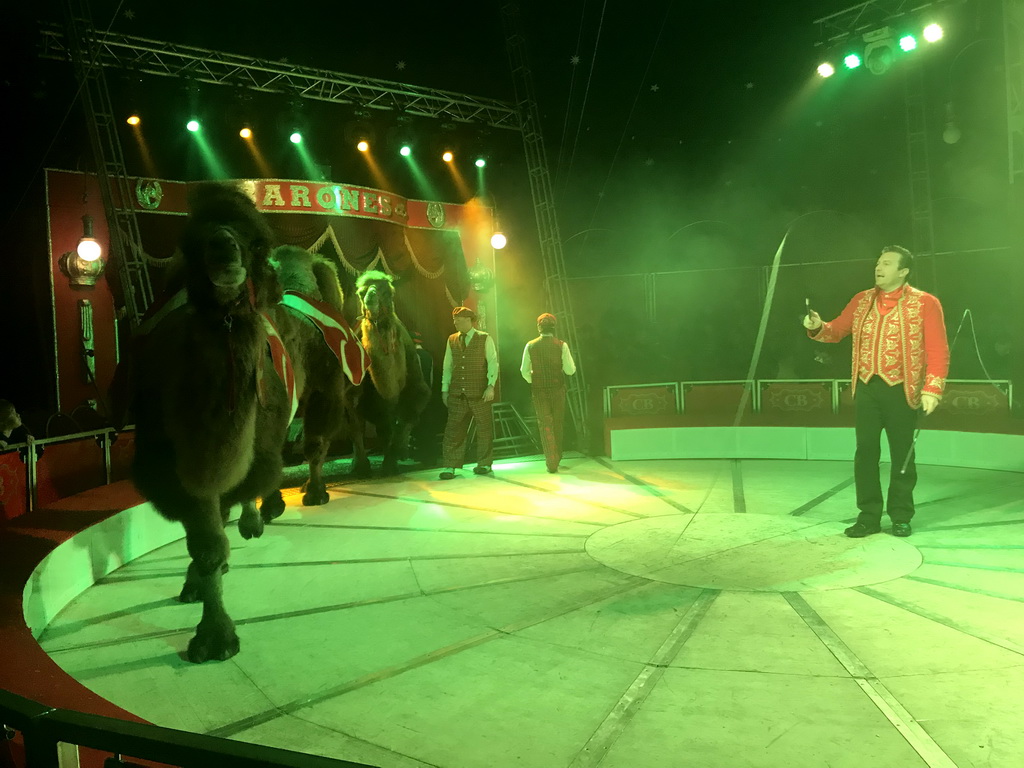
(488, 394)
(812, 321)
(929, 403)
(444, 399)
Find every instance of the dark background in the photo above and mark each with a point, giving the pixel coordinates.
(684, 141)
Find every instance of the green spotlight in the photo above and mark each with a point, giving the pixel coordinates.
(908, 43)
(295, 138)
(192, 125)
(480, 162)
(852, 61)
(405, 151)
(826, 70)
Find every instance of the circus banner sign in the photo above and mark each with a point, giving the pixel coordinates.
(649, 400)
(977, 398)
(797, 396)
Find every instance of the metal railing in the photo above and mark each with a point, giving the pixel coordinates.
(30, 450)
(44, 729)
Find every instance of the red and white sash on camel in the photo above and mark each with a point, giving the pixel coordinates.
(282, 365)
(340, 339)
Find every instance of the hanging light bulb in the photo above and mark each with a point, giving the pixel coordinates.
(88, 246)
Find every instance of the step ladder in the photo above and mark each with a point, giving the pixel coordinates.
(512, 437)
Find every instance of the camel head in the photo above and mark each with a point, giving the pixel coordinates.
(376, 292)
(226, 245)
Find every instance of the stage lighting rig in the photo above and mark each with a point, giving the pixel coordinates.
(879, 50)
(908, 43)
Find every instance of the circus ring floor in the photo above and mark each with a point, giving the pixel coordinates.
(622, 613)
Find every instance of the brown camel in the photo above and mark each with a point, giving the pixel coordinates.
(326, 395)
(211, 410)
(396, 394)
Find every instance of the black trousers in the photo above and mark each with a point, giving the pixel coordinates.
(879, 407)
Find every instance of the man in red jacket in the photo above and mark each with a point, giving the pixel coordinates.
(546, 362)
(900, 362)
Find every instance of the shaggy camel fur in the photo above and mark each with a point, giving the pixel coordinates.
(211, 413)
(396, 394)
(327, 396)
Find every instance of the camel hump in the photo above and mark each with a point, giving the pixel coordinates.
(294, 267)
(327, 282)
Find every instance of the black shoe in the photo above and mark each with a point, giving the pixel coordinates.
(448, 474)
(901, 529)
(481, 470)
(859, 530)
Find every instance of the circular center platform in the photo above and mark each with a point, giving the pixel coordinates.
(751, 552)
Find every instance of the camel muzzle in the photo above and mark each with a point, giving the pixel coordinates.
(224, 259)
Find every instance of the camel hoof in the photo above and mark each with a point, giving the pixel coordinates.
(250, 526)
(213, 645)
(316, 498)
(189, 594)
(272, 507)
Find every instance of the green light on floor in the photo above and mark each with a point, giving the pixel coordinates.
(908, 43)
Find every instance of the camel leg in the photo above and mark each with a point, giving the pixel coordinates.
(215, 636)
(250, 524)
(272, 506)
(398, 438)
(360, 461)
(316, 489)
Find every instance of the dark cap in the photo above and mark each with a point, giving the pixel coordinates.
(417, 337)
(546, 319)
(463, 312)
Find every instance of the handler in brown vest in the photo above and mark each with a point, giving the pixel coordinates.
(468, 376)
(546, 362)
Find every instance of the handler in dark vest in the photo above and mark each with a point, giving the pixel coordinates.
(468, 375)
(546, 362)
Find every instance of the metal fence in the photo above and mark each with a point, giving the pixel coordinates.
(44, 730)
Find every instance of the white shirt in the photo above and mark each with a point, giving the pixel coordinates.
(490, 352)
(568, 364)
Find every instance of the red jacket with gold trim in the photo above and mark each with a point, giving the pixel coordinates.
(908, 342)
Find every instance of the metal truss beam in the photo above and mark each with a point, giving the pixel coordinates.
(865, 17)
(555, 277)
(126, 252)
(154, 57)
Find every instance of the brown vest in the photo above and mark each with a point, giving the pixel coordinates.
(546, 362)
(469, 366)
